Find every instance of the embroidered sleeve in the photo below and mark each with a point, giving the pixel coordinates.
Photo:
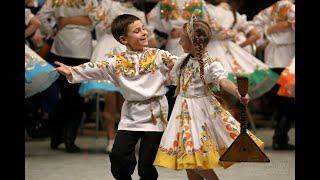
(214, 71)
(99, 70)
(168, 59)
(91, 8)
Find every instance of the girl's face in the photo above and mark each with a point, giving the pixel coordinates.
(185, 43)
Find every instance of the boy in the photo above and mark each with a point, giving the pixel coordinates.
(140, 74)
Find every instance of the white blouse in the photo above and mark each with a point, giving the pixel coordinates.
(74, 41)
(141, 77)
(191, 85)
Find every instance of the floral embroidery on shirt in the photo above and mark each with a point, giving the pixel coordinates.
(147, 62)
(124, 66)
(168, 60)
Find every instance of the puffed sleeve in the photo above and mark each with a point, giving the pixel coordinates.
(242, 24)
(102, 69)
(214, 71)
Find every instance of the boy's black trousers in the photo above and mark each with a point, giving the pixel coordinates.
(123, 159)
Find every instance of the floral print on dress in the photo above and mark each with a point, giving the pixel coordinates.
(169, 9)
(188, 73)
(207, 143)
(183, 144)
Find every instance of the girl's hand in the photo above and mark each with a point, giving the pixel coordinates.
(63, 69)
(244, 100)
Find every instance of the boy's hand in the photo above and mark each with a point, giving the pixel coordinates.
(63, 69)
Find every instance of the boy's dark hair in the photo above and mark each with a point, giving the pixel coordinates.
(119, 26)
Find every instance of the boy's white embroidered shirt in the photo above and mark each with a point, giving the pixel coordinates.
(140, 77)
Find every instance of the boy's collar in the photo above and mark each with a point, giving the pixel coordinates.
(135, 52)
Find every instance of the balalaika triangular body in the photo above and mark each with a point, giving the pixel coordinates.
(244, 149)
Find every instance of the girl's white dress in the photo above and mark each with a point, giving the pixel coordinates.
(199, 129)
(38, 73)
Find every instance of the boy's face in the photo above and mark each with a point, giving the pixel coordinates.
(185, 43)
(136, 38)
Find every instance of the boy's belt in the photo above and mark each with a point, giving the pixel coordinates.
(150, 101)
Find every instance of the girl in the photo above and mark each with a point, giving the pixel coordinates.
(199, 129)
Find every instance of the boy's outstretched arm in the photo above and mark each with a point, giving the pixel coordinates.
(231, 88)
(99, 70)
(63, 69)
